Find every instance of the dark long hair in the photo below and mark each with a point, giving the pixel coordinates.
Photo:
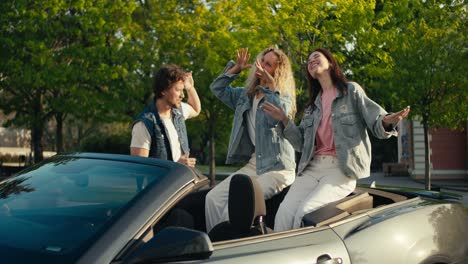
(336, 74)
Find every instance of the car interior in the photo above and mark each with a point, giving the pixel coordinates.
(247, 210)
(251, 215)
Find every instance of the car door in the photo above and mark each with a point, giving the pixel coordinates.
(307, 245)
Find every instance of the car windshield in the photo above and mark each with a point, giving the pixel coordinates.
(52, 209)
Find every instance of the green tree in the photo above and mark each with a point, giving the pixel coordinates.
(344, 27)
(61, 58)
(89, 62)
(172, 32)
(429, 51)
(200, 37)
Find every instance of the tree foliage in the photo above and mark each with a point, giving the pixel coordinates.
(61, 58)
(93, 61)
(430, 57)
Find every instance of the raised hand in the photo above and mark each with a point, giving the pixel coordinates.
(243, 57)
(265, 78)
(275, 112)
(395, 118)
(188, 81)
(242, 63)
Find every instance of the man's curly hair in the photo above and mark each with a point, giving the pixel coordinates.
(165, 77)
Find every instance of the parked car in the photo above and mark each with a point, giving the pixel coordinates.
(104, 208)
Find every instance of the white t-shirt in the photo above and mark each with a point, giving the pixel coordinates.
(141, 138)
(251, 114)
(173, 138)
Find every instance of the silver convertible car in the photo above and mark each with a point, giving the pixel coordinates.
(102, 208)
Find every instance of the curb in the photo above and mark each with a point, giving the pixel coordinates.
(452, 187)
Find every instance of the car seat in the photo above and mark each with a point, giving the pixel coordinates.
(246, 207)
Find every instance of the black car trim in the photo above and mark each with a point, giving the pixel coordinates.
(118, 157)
(267, 237)
(159, 214)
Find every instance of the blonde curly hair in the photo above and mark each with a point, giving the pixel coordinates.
(283, 76)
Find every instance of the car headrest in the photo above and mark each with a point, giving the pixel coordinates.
(246, 202)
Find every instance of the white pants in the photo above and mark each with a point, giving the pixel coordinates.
(216, 203)
(322, 182)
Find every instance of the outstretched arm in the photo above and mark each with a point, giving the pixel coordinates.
(390, 121)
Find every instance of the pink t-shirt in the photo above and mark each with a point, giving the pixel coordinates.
(324, 138)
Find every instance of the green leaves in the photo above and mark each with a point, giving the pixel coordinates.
(428, 52)
(93, 60)
(60, 52)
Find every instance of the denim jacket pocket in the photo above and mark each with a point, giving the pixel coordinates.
(307, 122)
(308, 125)
(348, 124)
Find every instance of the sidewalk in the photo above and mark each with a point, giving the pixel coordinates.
(452, 186)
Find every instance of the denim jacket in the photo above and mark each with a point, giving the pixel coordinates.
(351, 113)
(160, 147)
(272, 151)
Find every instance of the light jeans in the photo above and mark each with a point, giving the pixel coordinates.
(216, 203)
(321, 182)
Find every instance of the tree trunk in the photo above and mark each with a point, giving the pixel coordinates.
(427, 152)
(212, 151)
(59, 132)
(36, 141)
(37, 130)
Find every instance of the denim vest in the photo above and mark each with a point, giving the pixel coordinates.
(352, 113)
(272, 151)
(160, 147)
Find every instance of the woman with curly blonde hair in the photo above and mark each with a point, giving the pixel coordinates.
(270, 158)
(283, 78)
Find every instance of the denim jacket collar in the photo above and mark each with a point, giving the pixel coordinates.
(318, 101)
(266, 90)
(152, 108)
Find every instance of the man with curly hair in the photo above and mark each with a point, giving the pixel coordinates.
(159, 131)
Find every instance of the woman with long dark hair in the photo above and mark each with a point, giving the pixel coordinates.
(332, 137)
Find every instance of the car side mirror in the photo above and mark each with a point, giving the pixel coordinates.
(174, 244)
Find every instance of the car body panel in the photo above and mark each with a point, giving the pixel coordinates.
(414, 230)
(141, 213)
(300, 246)
(139, 218)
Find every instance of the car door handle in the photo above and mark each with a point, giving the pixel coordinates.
(327, 259)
